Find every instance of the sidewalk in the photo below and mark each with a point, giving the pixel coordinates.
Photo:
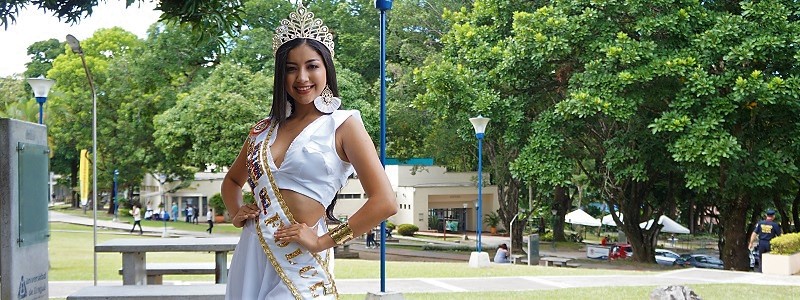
(149, 230)
(61, 289)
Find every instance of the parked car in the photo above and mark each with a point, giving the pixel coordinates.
(668, 258)
(703, 261)
(621, 251)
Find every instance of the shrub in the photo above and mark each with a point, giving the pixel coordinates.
(786, 244)
(407, 229)
(217, 204)
(391, 226)
(546, 237)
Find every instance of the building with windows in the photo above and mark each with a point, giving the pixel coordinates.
(429, 197)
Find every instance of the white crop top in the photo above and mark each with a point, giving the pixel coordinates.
(311, 165)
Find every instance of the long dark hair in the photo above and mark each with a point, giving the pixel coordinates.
(280, 98)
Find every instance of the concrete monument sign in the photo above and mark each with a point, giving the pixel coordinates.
(24, 196)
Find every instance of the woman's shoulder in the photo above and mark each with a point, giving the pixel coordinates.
(260, 126)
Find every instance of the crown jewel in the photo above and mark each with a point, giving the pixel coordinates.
(302, 24)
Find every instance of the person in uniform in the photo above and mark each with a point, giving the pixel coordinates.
(295, 161)
(764, 232)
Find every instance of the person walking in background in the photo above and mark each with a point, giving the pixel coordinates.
(501, 257)
(189, 213)
(210, 218)
(196, 216)
(285, 248)
(174, 212)
(137, 218)
(764, 232)
(371, 239)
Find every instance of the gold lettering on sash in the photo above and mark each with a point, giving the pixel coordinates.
(281, 244)
(306, 269)
(293, 255)
(275, 221)
(314, 288)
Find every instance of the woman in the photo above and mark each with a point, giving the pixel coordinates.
(295, 161)
(501, 256)
(136, 212)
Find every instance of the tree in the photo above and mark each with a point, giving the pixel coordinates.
(209, 18)
(462, 83)
(733, 125)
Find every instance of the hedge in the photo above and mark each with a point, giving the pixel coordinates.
(786, 244)
(407, 229)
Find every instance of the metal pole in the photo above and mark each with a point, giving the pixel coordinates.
(116, 173)
(41, 111)
(94, 164)
(480, 187)
(383, 6)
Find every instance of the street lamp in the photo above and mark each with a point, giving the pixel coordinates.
(479, 258)
(383, 6)
(75, 45)
(41, 87)
(479, 123)
(554, 212)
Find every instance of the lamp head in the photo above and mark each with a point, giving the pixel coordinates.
(554, 211)
(74, 44)
(41, 86)
(479, 123)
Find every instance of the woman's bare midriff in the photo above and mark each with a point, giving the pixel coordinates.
(304, 209)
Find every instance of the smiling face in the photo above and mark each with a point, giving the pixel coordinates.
(305, 74)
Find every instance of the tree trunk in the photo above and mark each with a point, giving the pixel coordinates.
(734, 252)
(562, 204)
(796, 211)
(73, 183)
(780, 206)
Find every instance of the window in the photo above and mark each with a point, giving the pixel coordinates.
(348, 196)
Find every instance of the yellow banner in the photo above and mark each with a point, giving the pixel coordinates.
(83, 176)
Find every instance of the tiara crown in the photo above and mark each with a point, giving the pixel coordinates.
(302, 24)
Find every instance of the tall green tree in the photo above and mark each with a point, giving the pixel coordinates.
(70, 104)
(733, 125)
(462, 83)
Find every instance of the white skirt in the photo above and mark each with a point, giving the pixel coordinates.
(251, 275)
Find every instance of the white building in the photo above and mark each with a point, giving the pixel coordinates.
(425, 195)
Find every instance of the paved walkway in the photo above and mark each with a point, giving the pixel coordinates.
(149, 230)
(61, 289)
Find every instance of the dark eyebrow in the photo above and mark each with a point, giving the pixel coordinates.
(308, 61)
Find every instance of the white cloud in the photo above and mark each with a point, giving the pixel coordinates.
(35, 25)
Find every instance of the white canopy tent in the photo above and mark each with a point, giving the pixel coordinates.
(670, 226)
(580, 217)
(609, 220)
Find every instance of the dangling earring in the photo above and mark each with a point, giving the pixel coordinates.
(326, 102)
(288, 108)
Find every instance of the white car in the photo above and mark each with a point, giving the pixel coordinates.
(666, 257)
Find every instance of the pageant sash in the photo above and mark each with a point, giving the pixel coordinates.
(306, 274)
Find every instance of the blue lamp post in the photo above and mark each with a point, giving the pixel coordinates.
(383, 6)
(41, 87)
(479, 123)
(116, 173)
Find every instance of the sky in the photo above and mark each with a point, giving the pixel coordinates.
(34, 25)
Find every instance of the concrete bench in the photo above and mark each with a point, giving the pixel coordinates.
(156, 271)
(151, 292)
(554, 261)
(343, 251)
(518, 259)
